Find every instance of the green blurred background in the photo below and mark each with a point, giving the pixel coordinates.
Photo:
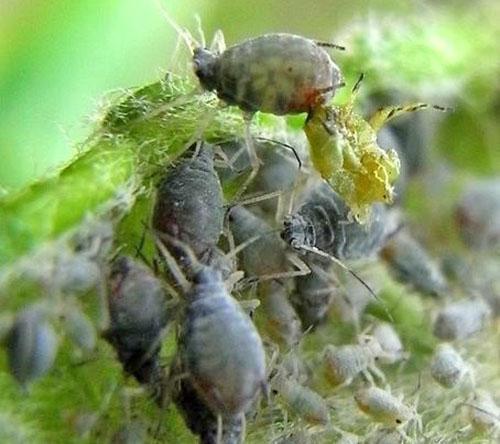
(58, 58)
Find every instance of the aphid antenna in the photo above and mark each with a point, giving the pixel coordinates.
(480, 409)
(386, 113)
(189, 40)
(330, 45)
(284, 145)
(337, 261)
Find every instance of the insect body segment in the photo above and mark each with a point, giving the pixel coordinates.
(274, 73)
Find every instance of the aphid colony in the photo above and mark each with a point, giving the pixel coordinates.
(282, 248)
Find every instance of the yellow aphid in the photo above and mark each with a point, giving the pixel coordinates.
(344, 150)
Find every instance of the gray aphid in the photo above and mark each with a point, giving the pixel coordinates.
(447, 366)
(411, 264)
(138, 313)
(189, 206)
(323, 222)
(274, 73)
(478, 214)
(31, 345)
(314, 293)
(462, 319)
(220, 348)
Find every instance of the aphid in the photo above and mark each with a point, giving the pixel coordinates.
(273, 73)
(138, 312)
(314, 293)
(447, 366)
(484, 414)
(344, 150)
(282, 322)
(478, 214)
(267, 256)
(189, 206)
(344, 363)
(385, 408)
(462, 319)
(322, 222)
(220, 348)
(31, 345)
(390, 342)
(411, 264)
(302, 401)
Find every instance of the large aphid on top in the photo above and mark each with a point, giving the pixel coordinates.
(273, 73)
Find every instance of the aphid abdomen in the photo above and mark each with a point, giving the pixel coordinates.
(264, 256)
(462, 319)
(276, 73)
(411, 264)
(189, 203)
(138, 317)
(314, 295)
(390, 343)
(283, 324)
(221, 349)
(345, 363)
(478, 214)
(304, 402)
(382, 406)
(200, 420)
(447, 366)
(31, 345)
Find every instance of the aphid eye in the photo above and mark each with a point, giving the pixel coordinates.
(398, 421)
(274, 391)
(376, 358)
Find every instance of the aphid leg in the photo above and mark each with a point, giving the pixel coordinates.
(243, 428)
(330, 45)
(259, 198)
(377, 372)
(103, 313)
(252, 155)
(219, 429)
(346, 383)
(387, 113)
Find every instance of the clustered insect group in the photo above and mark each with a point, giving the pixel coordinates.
(215, 257)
